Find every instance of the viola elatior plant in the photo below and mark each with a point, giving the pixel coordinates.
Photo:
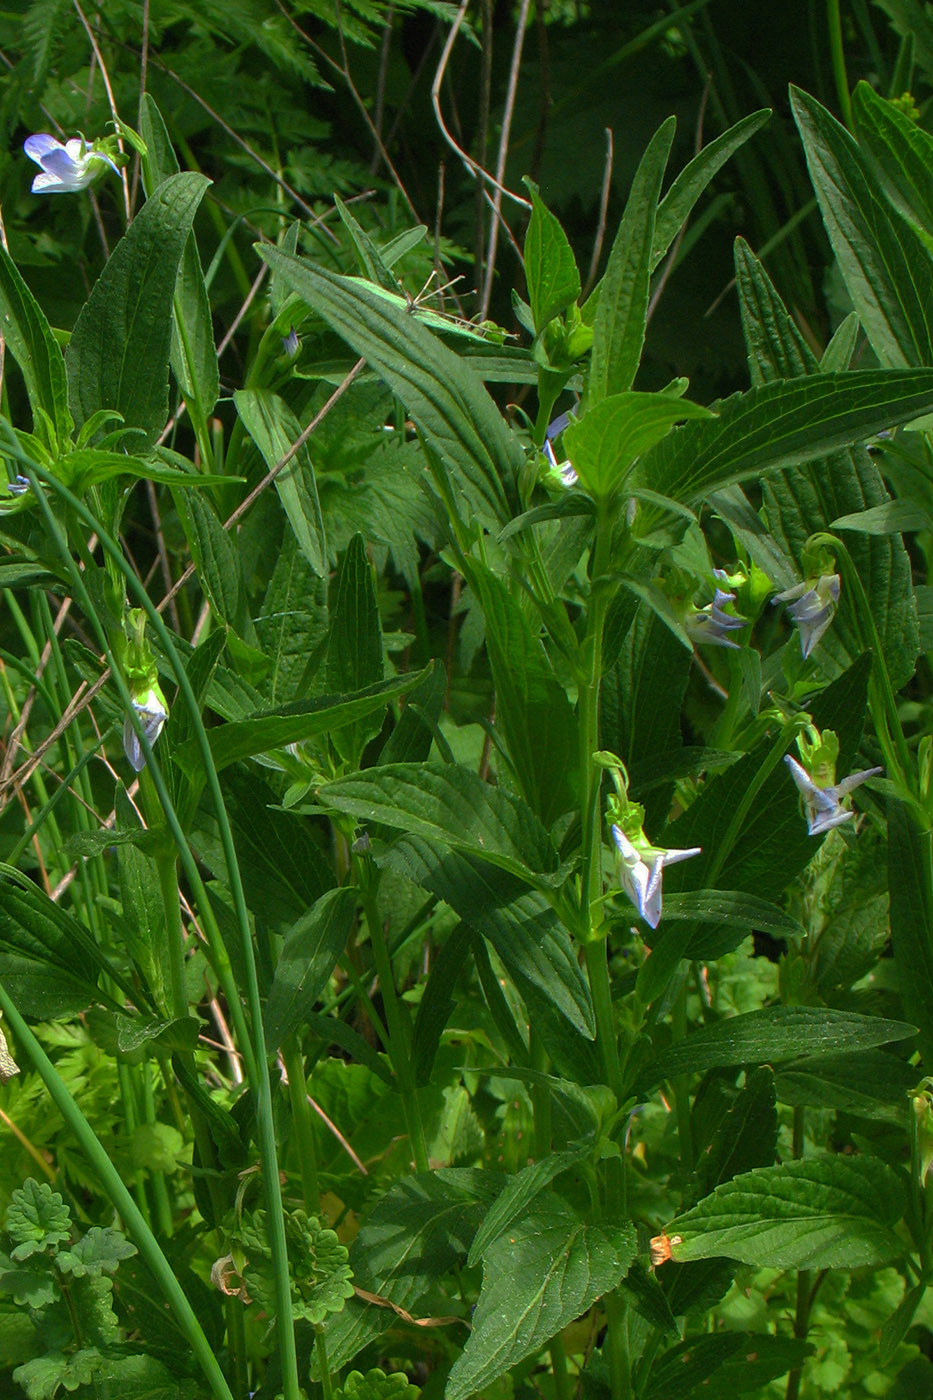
(815, 778)
(711, 624)
(813, 606)
(141, 675)
(70, 165)
(641, 864)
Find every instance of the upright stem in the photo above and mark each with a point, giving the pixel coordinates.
(399, 1046)
(804, 1291)
(839, 60)
(301, 1119)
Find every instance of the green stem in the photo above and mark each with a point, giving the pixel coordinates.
(681, 1085)
(112, 1183)
(301, 1119)
(236, 1346)
(804, 1294)
(399, 1046)
(167, 868)
(620, 1365)
(253, 1052)
(837, 52)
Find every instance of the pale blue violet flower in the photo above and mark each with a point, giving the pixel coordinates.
(19, 486)
(823, 805)
(65, 168)
(152, 712)
(710, 626)
(290, 343)
(641, 869)
(813, 606)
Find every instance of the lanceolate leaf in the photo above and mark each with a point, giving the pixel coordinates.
(909, 859)
(886, 264)
(622, 309)
(274, 429)
(799, 502)
(29, 339)
(532, 709)
(312, 947)
(900, 149)
(544, 1272)
(520, 925)
(772, 1034)
(782, 424)
(306, 719)
(449, 803)
(459, 420)
(676, 205)
(819, 1213)
(118, 354)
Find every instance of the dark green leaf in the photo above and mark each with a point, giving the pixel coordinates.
(818, 1213)
(774, 1033)
(532, 709)
(354, 648)
(783, 424)
(448, 802)
(547, 1270)
(886, 264)
(912, 920)
(274, 429)
(28, 337)
(289, 724)
(459, 420)
(312, 948)
(118, 354)
(621, 312)
(607, 440)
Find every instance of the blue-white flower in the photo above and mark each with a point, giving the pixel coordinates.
(814, 604)
(710, 626)
(152, 713)
(823, 805)
(641, 870)
(68, 167)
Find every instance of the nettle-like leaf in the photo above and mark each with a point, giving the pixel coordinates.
(376, 1385)
(819, 1213)
(546, 1270)
(91, 1299)
(37, 1219)
(318, 1263)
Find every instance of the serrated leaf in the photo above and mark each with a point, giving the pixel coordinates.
(417, 1233)
(818, 1213)
(457, 417)
(526, 934)
(522, 1189)
(37, 1219)
(437, 1001)
(900, 149)
(546, 1271)
(448, 802)
(773, 1033)
(732, 907)
(782, 424)
(747, 1136)
(885, 263)
(354, 648)
(757, 1359)
(308, 957)
(864, 1082)
(118, 355)
(218, 562)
